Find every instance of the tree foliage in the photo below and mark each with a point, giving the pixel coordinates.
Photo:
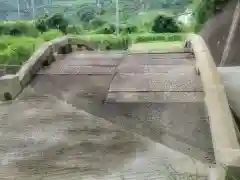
(163, 24)
(86, 13)
(56, 21)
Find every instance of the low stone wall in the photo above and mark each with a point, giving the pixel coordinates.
(224, 135)
(12, 85)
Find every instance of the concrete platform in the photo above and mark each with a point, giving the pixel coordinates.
(66, 131)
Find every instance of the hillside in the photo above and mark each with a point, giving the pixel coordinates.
(75, 9)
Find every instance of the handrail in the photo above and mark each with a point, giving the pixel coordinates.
(224, 137)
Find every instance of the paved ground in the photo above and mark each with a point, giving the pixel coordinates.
(61, 127)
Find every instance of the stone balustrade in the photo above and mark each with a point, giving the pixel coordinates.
(12, 85)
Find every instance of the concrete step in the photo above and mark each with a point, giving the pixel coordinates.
(165, 54)
(78, 70)
(158, 51)
(147, 60)
(90, 62)
(184, 82)
(61, 85)
(95, 54)
(83, 64)
(171, 55)
(154, 97)
(140, 69)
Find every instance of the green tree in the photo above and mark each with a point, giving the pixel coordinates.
(164, 24)
(57, 21)
(41, 25)
(87, 12)
(97, 22)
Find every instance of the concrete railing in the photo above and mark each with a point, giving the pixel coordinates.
(224, 135)
(12, 85)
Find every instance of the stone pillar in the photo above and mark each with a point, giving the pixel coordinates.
(65, 49)
(10, 87)
(49, 59)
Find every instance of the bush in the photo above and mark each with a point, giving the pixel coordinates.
(128, 29)
(41, 25)
(111, 41)
(73, 29)
(57, 21)
(106, 29)
(165, 24)
(147, 37)
(18, 29)
(13, 51)
(50, 35)
(97, 22)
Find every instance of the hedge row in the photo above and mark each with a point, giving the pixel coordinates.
(158, 37)
(16, 50)
(18, 29)
(108, 41)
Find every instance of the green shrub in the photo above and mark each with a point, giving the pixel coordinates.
(128, 29)
(4, 29)
(17, 50)
(50, 35)
(165, 24)
(57, 21)
(18, 28)
(3, 45)
(73, 29)
(106, 29)
(112, 41)
(4, 56)
(41, 25)
(97, 22)
(147, 37)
